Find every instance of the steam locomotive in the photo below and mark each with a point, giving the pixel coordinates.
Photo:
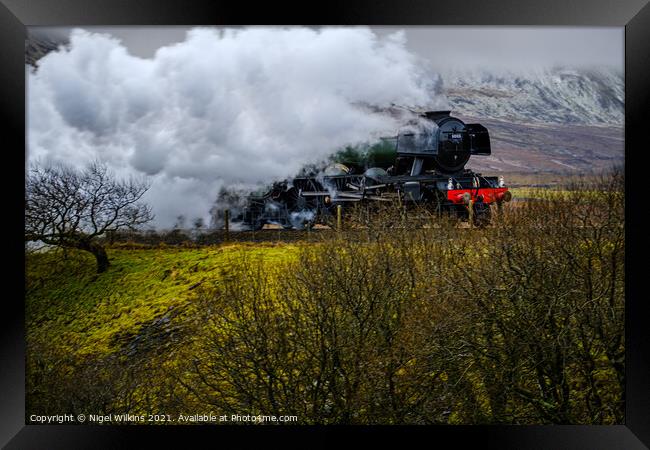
(422, 167)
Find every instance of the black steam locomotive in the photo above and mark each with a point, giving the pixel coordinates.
(423, 167)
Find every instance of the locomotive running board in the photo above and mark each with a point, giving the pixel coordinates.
(336, 195)
(315, 194)
(344, 196)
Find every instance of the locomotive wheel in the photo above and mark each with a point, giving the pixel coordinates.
(295, 202)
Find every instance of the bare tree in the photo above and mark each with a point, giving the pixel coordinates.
(71, 209)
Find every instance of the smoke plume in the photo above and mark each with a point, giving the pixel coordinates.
(225, 106)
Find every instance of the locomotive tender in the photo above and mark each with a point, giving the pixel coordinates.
(425, 168)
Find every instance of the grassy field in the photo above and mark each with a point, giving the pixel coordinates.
(69, 305)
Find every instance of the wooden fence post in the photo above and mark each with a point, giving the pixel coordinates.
(471, 213)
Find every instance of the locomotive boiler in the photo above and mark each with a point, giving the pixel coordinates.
(422, 167)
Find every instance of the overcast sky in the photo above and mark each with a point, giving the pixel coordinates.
(458, 46)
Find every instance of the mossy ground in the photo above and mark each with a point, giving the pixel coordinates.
(71, 306)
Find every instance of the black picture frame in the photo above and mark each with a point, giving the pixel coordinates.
(634, 15)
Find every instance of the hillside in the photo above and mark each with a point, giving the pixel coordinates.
(558, 148)
(556, 95)
(552, 120)
(68, 305)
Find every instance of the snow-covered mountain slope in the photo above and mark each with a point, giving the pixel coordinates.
(553, 95)
(551, 120)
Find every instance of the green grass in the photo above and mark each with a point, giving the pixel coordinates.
(70, 306)
(550, 193)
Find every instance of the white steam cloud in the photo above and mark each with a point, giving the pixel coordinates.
(222, 107)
